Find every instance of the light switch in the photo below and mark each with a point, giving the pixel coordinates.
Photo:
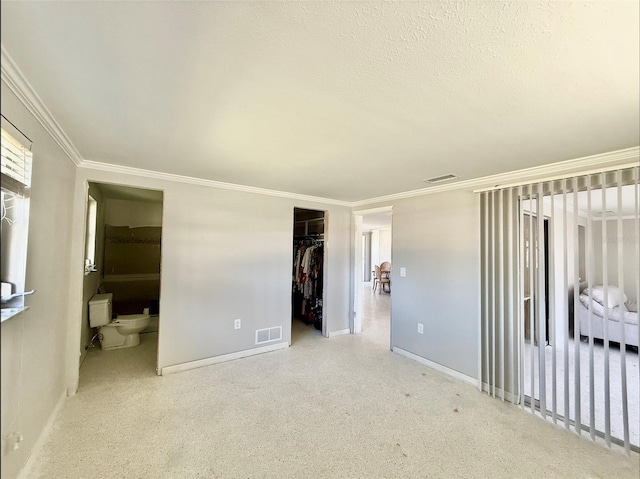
(403, 272)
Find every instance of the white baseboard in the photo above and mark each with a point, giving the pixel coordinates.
(498, 394)
(42, 439)
(340, 332)
(438, 367)
(222, 359)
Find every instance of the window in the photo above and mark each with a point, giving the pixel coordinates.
(90, 245)
(14, 225)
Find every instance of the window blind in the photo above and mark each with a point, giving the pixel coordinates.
(16, 164)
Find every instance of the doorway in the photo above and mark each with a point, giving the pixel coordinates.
(122, 258)
(536, 262)
(372, 301)
(307, 288)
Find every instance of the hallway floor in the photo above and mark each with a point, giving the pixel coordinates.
(344, 407)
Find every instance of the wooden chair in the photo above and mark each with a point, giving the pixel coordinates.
(385, 268)
(376, 277)
(381, 279)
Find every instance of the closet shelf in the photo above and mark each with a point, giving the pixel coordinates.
(129, 240)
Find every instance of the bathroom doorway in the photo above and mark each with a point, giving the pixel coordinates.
(123, 257)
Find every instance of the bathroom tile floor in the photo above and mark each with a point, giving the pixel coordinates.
(344, 407)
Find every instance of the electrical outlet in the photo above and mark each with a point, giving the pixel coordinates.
(403, 272)
(236, 324)
(420, 328)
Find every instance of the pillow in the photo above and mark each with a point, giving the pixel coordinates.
(615, 297)
(613, 314)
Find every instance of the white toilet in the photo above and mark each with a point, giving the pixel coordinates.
(122, 332)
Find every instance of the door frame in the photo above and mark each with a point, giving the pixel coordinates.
(356, 314)
(325, 255)
(76, 275)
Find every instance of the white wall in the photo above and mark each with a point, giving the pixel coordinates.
(34, 343)
(227, 255)
(629, 243)
(375, 248)
(385, 245)
(380, 246)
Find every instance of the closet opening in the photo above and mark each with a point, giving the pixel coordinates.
(307, 295)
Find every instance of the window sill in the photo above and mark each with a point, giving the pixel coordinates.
(8, 313)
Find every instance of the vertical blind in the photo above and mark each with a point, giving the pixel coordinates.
(560, 290)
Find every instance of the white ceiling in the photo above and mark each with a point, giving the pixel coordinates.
(627, 205)
(349, 100)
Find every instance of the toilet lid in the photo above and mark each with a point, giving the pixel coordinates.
(131, 317)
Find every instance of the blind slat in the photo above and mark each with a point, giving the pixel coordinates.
(15, 163)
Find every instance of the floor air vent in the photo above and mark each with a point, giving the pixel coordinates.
(268, 335)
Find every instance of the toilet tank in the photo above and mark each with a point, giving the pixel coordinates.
(100, 309)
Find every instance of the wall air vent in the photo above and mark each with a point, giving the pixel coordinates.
(604, 213)
(268, 335)
(440, 179)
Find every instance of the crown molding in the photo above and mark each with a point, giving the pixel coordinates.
(18, 84)
(585, 165)
(158, 175)
(602, 162)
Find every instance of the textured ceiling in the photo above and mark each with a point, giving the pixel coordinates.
(348, 101)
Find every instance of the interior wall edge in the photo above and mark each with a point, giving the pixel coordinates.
(42, 438)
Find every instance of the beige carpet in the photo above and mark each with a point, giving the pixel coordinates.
(615, 385)
(344, 407)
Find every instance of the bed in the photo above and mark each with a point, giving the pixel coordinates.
(617, 307)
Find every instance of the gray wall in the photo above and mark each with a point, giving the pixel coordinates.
(437, 239)
(34, 342)
(226, 255)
